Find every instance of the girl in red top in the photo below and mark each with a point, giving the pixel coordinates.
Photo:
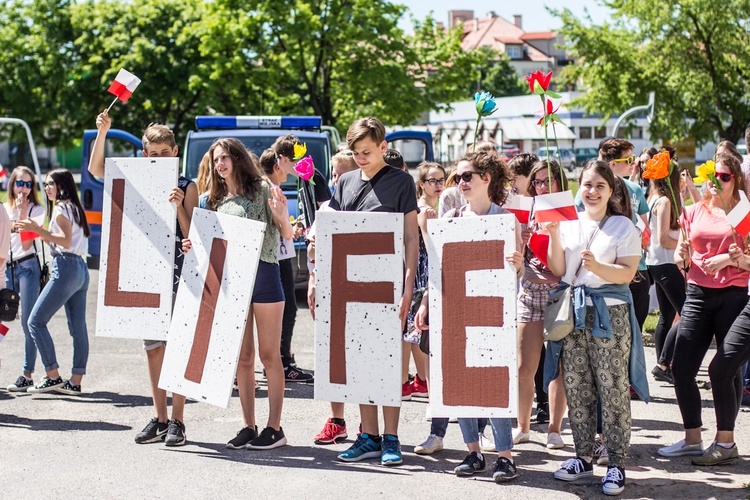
(716, 294)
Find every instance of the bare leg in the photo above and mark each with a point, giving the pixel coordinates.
(420, 361)
(405, 352)
(369, 414)
(269, 317)
(337, 410)
(155, 357)
(390, 417)
(557, 405)
(246, 373)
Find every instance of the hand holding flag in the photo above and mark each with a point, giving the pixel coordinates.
(123, 87)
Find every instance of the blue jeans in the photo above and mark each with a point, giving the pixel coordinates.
(502, 429)
(68, 284)
(27, 285)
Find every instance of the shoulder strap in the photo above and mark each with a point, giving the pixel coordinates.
(593, 235)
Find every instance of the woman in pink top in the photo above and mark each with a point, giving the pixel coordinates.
(716, 294)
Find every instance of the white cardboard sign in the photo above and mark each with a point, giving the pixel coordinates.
(359, 270)
(211, 309)
(473, 365)
(137, 249)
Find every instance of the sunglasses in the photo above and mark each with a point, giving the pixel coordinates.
(537, 183)
(724, 177)
(435, 182)
(629, 160)
(466, 176)
(28, 184)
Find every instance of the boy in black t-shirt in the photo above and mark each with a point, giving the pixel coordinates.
(377, 187)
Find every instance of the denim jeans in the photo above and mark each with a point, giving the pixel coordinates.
(502, 429)
(68, 284)
(27, 285)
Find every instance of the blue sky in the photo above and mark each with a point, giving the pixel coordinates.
(535, 16)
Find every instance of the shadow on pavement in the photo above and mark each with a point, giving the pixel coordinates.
(45, 424)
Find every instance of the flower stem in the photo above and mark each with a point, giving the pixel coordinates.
(546, 139)
(559, 157)
(677, 208)
(476, 132)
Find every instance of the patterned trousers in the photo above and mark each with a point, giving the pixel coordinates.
(594, 367)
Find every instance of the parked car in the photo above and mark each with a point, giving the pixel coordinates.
(585, 154)
(564, 156)
(508, 151)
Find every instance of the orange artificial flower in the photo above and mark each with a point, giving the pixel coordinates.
(658, 167)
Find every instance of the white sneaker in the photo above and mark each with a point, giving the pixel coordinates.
(520, 436)
(681, 449)
(487, 442)
(555, 441)
(432, 444)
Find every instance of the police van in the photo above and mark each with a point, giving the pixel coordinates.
(257, 133)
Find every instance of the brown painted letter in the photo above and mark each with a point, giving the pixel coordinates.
(462, 385)
(113, 296)
(344, 291)
(211, 288)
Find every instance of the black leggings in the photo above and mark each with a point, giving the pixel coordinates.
(286, 268)
(639, 288)
(707, 313)
(670, 293)
(724, 370)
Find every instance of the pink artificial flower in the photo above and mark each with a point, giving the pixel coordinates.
(305, 168)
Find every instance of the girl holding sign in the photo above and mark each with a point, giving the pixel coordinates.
(23, 203)
(69, 281)
(236, 188)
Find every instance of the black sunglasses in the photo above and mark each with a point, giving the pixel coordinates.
(466, 176)
(28, 184)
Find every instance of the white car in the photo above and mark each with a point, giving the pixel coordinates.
(565, 157)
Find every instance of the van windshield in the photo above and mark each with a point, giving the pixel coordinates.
(197, 147)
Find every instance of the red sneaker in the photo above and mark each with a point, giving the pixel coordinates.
(330, 433)
(406, 391)
(419, 387)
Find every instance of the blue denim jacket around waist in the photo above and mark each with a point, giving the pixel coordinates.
(602, 328)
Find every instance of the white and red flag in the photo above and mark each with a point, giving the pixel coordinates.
(3, 331)
(739, 216)
(520, 206)
(124, 85)
(555, 207)
(30, 235)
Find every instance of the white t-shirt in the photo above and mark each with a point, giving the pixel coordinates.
(36, 212)
(79, 243)
(618, 238)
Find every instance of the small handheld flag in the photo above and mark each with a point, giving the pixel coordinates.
(520, 206)
(739, 216)
(555, 207)
(123, 87)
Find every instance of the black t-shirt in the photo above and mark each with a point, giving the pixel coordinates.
(322, 193)
(390, 190)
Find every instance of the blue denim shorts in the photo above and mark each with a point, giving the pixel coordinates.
(268, 287)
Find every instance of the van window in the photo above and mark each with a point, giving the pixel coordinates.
(414, 151)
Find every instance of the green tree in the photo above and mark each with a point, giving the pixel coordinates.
(494, 73)
(344, 59)
(695, 54)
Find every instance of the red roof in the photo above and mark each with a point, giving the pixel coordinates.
(539, 35)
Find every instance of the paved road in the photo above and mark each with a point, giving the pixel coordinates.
(63, 447)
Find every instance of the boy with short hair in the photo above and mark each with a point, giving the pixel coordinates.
(377, 187)
(158, 142)
(395, 159)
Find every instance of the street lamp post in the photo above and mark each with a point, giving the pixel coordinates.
(637, 109)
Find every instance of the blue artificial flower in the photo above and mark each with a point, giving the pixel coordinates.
(485, 104)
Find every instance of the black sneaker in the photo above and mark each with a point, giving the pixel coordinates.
(69, 389)
(242, 438)
(505, 470)
(542, 413)
(574, 468)
(471, 465)
(21, 384)
(294, 374)
(153, 432)
(662, 375)
(46, 385)
(175, 433)
(614, 482)
(268, 439)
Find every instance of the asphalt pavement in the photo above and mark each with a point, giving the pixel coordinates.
(60, 447)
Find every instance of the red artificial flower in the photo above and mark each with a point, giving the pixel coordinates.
(551, 110)
(538, 76)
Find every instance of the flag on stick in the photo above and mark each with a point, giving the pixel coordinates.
(123, 87)
(739, 216)
(555, 207)
(520, 206)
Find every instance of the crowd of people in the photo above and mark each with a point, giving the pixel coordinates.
(631, 232)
